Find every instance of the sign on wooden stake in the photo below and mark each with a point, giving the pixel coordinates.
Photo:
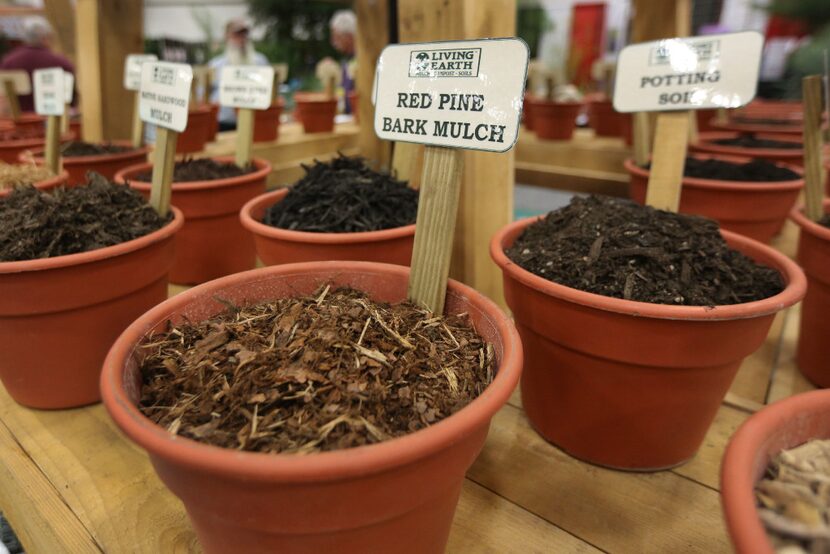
(813, 181)
(450, 96)
(15, 81)
(49, 101)
(673, 76)
(69, 91)
(132, 81)
(247, 88)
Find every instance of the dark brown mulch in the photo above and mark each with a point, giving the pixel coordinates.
(22, 133)
(750, 141)
(202, 169)
(825, 220)
(323, 372)
(77, 149)
(344, 196)
(617, 248)
(36, 224)
(755, 171)
(766, 121)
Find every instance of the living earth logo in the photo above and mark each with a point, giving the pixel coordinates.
(461, 62)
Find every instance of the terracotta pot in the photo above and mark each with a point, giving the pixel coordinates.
(10, 150)
(631, 385)
(200, 121)
(213, 125)
(105, 164)
(705, 119)
(76, 126)
(794, 156)
(212, 242)
(354, 99)
(267, 123)
(396, 496)
(281, 246)
(59, 316)
(605, 120)
(779, 426)
(29, 122)
(747, 125)
(814, 257)
(554, 120)
(45, 185)
(755, 210)
(527, 111)
(316, 111)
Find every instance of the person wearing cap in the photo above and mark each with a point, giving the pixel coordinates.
(35, 53)
(239, 50)
(343, 28)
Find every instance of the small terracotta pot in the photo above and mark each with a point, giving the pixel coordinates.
(105, 164)
(794, 156)
(212, 242)
(605, 120)
(267, 123)
(354, 99)
(554, 120)
(10, 150)
(814, 256)
(281, 246)
(45, 185)
(396, 496)
(631, 385)
(755, 210)
(316, 111)
(213, 125)
(59, 316)
(29, 122)
(200, 121)
(527, 111)
(747, 125)
(779, 426)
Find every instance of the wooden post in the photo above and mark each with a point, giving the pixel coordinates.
(666, 174)
(53, 137)
(11, 96)
(244, 137)
(137, 139)
(165, 160)
(641, 137)
(372, 37)
(813, 185)
(437, 212)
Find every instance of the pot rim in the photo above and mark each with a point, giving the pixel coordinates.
(722, 184)
(32, 141)
(263, 169)
(758, 127)
(794, 290)
(705, 142)
(54, 181)
(323, 466)
(809, 226)
(58, 262)
(272, 197)
(311, 97)
(738, 464)
(38, 155)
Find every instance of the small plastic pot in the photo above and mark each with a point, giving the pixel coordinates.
(200, 121)
(554, 120)
(755, 210)
(705, 143)
(281, 246)
(59, 316)
(45, 185)
(814, 256)
(779, 426)
(267, 123)
(631, 385)
(396, 496)
(316, 111)
(212, 242)
(105, 164)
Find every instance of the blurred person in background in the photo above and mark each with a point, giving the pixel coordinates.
(343, 27)
(239, 50)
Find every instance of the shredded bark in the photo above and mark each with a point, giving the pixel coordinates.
(750, 141)
(201, 169)
(18, 175)
(754, 171)
(323, 372)
(77, 149)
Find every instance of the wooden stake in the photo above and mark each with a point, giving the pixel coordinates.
(11, 96)
(53, 137)
(813, 193)
(551, 85)
(692, 127)
(721, 115)
(641, 138)
(437, 211)
(244, 137)
(330, 86)
(664, 182)
(163, 165)
(65, 119)
(138, 125)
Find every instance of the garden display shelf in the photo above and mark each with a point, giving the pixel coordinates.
(70, 482)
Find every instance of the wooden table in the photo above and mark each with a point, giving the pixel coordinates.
(70, 482)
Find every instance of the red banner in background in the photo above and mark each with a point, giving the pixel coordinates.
(587, 40)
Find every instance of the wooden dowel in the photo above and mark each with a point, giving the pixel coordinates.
(437, 211)
(666, 174)
(813, 193)
(244, 137)
(550, 82)
(138, 125)
(640, 137)
(53, 137)
(163, 165)
(692, 127)
(65, 119)
(330, 86)
(11, 96)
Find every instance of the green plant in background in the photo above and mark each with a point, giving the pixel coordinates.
(531, 23)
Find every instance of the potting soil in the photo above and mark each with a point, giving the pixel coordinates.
(77, 148)
(36, 224)
(766, 121)
(617, 248)
(825, 220)
(794, 500)
(16, 175)
(201, 169)
(22, 133)
(323, 372)
(344, 196)
(750, 141)
(755, 171)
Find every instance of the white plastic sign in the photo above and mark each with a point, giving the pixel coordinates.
(460, 94)
(49, 91)
(19, 78)
(132, 69)
(246, 86)
(716, 71)
(165, 94)
(68, 87)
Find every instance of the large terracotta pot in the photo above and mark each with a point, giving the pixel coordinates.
(212, 242)
(812, 355)
(316, 111)
(756, 210)
(45, 184)
(59, 316)
(705, 118)
(631, 385)
(105, 164)
(28, 122)
(281, 246)
(779, 426)
(267, 123)
(396, 496)
(771, 125)
(12, 148)
(200, 120)
(794, 156)
(554, 120)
